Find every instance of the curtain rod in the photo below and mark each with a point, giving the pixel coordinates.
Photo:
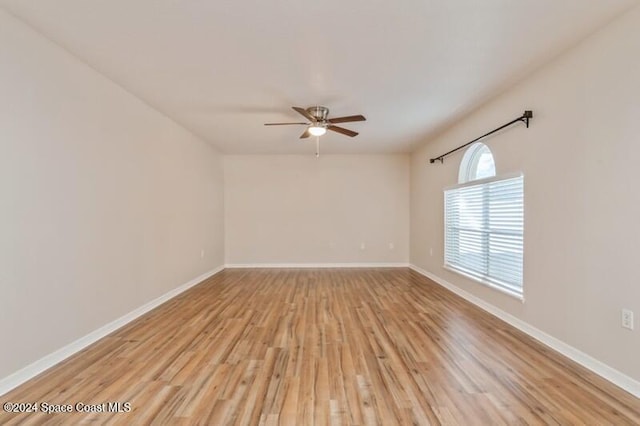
(524, 118)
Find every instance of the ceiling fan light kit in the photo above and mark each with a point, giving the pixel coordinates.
(317, 130)
(319, 122)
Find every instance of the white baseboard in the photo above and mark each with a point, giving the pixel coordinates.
(316, 265)
(614, 376)
(12, 381)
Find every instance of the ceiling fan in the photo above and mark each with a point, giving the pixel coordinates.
(319, 122)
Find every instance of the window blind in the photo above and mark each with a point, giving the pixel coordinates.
(484, 227)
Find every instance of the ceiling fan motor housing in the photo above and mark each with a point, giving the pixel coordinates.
(320, 113)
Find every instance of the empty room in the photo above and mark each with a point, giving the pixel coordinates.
(307, 213)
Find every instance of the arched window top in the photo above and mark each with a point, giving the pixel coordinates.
(477, 163)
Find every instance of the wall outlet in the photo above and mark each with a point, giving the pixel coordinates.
(431, 251)
(627, 319)
(202, 254)
(392, 246)
(363, 246)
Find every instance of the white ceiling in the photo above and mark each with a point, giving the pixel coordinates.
(222, 68)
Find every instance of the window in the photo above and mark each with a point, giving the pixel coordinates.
(484, 223)
(477, 163)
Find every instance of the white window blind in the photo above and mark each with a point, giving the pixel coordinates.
(484, 225)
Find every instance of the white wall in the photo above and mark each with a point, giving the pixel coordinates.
(302, 209)
(582, 202)
(105, 204)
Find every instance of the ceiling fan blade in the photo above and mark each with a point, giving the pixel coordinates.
(347, 119)
(342, 130)
(283, 124)
(306, 134)
(305, 113)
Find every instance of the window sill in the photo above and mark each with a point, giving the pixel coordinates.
(485, 283)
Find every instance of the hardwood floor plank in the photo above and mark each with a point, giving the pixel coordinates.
(330, 346)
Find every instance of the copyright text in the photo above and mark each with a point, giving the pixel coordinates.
(78, 407)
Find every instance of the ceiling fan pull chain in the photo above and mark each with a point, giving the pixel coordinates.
(317, 146)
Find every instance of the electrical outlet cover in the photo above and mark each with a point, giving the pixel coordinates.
(627, 319)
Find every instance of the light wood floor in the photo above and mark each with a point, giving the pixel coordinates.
(351, 347)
